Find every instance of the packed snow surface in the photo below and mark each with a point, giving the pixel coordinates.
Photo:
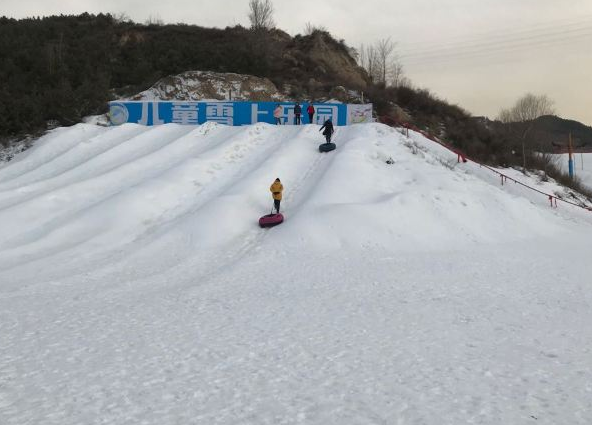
(137, 288)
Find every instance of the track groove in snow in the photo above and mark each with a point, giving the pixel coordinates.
(128, 177)
(49, 148)
(52, 174)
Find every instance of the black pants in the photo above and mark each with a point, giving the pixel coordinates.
(310, 115)
(276, 204)
(297, 119)
(328, 137)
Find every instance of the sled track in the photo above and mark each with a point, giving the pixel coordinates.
(297, 192)
(244, 243)
(223, 147)
(66, 217)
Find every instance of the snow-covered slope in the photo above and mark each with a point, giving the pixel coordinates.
(136, 286)
(582, 166)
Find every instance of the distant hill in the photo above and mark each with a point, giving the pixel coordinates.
(548, 133)
(552, 131)
(59, 69)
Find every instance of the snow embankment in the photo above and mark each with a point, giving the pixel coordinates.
(136, 286)
(96, 190)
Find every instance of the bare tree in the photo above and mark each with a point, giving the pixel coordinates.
(310, 28)
(526, 109)
(530, 107)
(382, 64)
(154, 20)
(362, 56)
(405, 82)
(373, 63)
(505, 116)
(261, 14)
(384, 52)
(397, 76)
(368, 59)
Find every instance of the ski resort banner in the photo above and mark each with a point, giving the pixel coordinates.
(232, 113)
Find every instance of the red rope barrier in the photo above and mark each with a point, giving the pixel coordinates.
(461, 156)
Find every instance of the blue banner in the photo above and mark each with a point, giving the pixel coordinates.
(229, 113)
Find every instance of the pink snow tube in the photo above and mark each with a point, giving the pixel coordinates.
(271, 220)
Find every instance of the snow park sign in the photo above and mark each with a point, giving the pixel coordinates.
(232, 113)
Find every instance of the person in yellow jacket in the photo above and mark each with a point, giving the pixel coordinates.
(276, 189)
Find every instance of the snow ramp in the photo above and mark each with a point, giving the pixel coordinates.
(90, 196)
(403, 286)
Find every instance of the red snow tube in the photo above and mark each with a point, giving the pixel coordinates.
(271, 220)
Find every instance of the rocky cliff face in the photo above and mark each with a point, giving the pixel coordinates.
(333, 59)
(304, 67)
(320, 63)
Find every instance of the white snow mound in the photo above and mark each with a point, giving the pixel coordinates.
(92, 191)
(403, 287)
